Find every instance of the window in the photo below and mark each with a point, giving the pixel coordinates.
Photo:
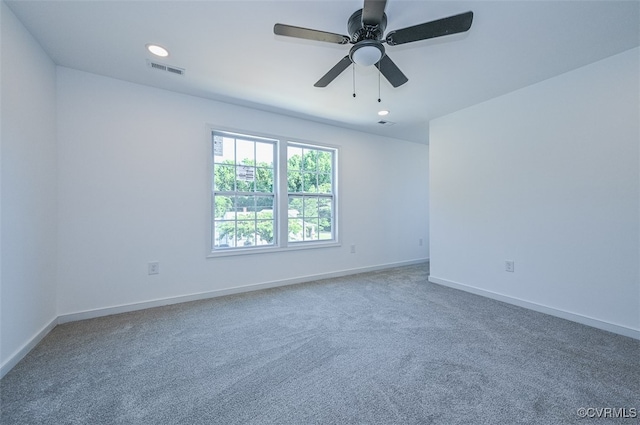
(310, 193)
(243, 191)
(248, 175)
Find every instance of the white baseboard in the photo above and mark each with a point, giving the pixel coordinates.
(125, 308)
(24, 350)
(563, 314)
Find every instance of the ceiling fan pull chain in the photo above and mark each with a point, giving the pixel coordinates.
(379, 85)
(354, 79)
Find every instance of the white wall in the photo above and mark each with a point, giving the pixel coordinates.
(134, 187)
(29, 206)
(100, 176)
(548, 177)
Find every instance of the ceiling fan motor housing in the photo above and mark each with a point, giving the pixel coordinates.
(359, 31)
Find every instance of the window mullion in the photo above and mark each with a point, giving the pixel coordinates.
(282, 198)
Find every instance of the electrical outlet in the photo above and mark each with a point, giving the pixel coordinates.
(509, 266)
(420, 242)
(353, 249)
(153, 267)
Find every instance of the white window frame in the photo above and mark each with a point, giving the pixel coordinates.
(281, 242)
(235, 194)
(330, 195)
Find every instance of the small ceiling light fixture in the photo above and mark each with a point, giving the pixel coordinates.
(383, 112)
(158, 50)
(366, 52)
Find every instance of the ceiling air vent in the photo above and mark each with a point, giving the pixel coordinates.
(166, 68)
(385, 123)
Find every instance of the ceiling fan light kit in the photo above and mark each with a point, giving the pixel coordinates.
(366, 27)
(366, 52)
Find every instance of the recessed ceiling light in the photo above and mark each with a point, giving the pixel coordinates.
(383, 113)
(158, 50)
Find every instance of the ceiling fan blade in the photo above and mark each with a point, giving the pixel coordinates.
(334, 72)
(373, 11)
(391, 71)
(309, 34)
(445, 26)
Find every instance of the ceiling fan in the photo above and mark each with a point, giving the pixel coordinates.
(366, 27)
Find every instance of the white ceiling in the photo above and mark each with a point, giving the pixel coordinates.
(230, 53)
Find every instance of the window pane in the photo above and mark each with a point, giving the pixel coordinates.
(264, 179)
(310, 229)
(324, 208)
(325, 229)
(294, 180)
(265, 231)
(224, 178)
(295, 229)
(245, 233)
(245, 177)
(324, 183)
(245, 207)
(325, 162)
(310, 182)
(245, 152)
(309, 162)
(264, 204)
(294, 158)
(264, 155)
(224, 234)
(325, 213)
(223, 207)
(312, 207)
(224, 150)
(295, 206)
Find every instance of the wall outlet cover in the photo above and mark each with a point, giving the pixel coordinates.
(509, 266)
(153, 267)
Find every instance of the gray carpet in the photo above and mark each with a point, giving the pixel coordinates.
(376, 348)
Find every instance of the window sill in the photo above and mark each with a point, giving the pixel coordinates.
(272, 249)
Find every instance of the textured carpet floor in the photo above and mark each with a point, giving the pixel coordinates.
(376, 348)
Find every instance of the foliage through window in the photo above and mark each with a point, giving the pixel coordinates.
(246, 199)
